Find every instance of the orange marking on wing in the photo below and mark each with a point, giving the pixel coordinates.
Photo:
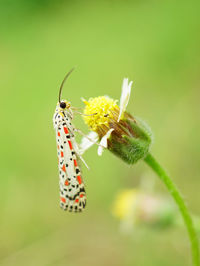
(79, 179)
(58, 134)
(76, 200)
(66, 183)
(64, 168)
(63, 199)
(66, 130)
(70, 144)
(58, 147)
(61, 154)
(81, 195)
(75, 163)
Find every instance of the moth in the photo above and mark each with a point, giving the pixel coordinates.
(72, 190)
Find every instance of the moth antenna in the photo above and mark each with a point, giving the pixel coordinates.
(61, 86)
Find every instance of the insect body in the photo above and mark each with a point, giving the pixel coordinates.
(72, 191)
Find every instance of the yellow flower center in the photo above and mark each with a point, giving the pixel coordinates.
(101, 110)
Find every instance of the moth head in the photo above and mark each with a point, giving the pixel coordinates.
(63, 104)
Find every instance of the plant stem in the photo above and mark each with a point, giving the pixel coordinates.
(151, 161)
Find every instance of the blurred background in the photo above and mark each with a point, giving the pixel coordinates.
(155, 44)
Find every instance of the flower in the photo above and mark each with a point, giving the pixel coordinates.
(116, 129)
(135, 207)
(124, 203)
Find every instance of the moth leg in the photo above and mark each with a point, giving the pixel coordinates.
(76, 108)
(84, 162)
(77, 112)
(76, 149)
(91, 140)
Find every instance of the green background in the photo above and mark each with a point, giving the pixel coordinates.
(155, 44)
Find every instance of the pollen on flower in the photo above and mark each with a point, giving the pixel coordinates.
(104, 109)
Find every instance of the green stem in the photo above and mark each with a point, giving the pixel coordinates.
(151, 161)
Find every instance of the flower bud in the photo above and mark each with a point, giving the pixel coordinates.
(130, 139)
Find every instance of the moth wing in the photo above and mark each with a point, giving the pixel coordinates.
(72, 190)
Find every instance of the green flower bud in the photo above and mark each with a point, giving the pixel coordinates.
(130, 139)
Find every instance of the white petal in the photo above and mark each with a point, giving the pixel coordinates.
(103, 143)
(88, 141)
(126, 91)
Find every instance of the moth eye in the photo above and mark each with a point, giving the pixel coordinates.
(63, 105)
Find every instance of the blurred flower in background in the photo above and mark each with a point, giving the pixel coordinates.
(134, 207)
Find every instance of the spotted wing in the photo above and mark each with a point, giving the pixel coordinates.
(72, 191)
